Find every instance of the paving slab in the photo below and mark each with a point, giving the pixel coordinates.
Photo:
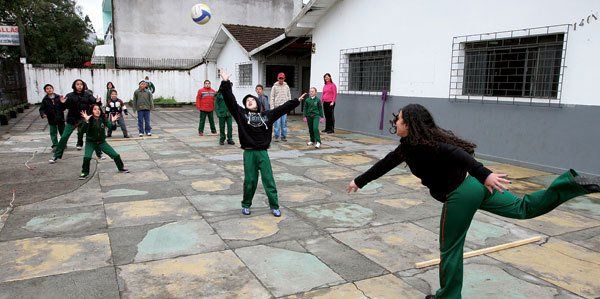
(149, 211)
(209, 275)
(97, 283)
(38, 257)
(276, 267)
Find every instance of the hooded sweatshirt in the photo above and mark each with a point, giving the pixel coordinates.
(280, 93)
(205, 99)
(95, 129)
(77, 102)
(254, 128)
(53, 109)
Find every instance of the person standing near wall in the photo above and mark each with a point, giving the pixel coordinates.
(328, 97)
(53, 110)
(109, 87)
(143, 103)
(205, 102)
(224, 119)
(313, 111)
(150, 84)
(280, 93)
(263, 99)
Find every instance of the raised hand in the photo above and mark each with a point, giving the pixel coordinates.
(496, 181)
(224, 75)
(352, 187)
(114, 118)
(63, 99)
(85, 115)
(302, 97)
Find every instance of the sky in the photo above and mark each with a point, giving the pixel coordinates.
(93, 8)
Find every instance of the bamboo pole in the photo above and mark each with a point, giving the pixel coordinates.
(483, 251)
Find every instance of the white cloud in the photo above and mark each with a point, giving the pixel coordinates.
(93, 8)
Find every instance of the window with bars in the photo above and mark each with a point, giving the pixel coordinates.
(518, 67)
(245, 74)
(369, 71)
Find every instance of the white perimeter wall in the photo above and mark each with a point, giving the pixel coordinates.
(422, 33)
(182, 85)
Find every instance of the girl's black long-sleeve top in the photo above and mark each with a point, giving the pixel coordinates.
(440, 169)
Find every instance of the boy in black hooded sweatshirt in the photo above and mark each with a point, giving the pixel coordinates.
(255, 130)
(53, 110)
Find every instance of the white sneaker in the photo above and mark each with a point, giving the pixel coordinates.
(149, 134)
(318, 145)
(78, 147)
(141, 135)
(52, 161)
(309, 143)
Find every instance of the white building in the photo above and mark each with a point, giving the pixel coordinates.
(519, 78)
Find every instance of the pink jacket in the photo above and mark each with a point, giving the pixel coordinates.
(329, 92)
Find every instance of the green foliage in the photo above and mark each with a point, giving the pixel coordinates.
(163, 101)
(55, 31)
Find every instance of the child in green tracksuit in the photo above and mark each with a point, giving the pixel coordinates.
(224, 119)
(52, 109)
(313, 112)
(95, 127)
(442, 161)
(255, 129)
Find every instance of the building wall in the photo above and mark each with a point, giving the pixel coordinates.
(540, 137)
(422, 33)
(182, 85)
(164, 29)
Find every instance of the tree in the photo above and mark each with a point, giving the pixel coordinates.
(54, 31)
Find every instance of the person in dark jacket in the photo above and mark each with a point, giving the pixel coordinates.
(255, 129)
(52, 110)
(116, 106)
(95, 127)
(224, 119)
(445, 165)
(77, 101)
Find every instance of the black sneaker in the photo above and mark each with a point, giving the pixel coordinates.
(221, 142)
(230, 142)
(324, 131)
(124, 170)
(591, 184)
(430, 297)
(283, 139)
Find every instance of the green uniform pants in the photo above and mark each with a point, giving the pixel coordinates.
(227, 120)
(211, 120)
(313, 128)
(471, 195)
(64, 138)
(90, 147)
(255, 161)
(54, 131)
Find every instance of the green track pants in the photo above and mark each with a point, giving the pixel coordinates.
(255, 161)
(471, 195)
(222, 122)
(90, 147)
(211, 121)
(54, 131)
(313, 128)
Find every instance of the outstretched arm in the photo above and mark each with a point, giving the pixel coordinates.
(288, 106)
(228, 96)
(380, 168)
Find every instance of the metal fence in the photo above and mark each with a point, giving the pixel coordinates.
(517, 67)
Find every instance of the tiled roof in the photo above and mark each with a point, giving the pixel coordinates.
(252, 37)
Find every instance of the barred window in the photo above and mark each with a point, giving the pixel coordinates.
(370, 71)
(245, 74)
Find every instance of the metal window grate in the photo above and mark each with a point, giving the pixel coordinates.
(366, 70)
(520, 66)
(245, 74)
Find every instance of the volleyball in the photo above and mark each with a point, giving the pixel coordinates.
(201, 14)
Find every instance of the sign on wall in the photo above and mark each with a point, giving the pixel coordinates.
(9, 35)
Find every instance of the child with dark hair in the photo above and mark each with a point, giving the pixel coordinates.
(263, 99)
(95, 126)
(116, 106)
(77, 101)
(445, 165)
(205, 103)
(109, 87)
(224, 119)
(313, 111)
(53, 110)
(254, 130)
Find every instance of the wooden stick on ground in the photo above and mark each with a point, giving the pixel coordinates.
(483, 251)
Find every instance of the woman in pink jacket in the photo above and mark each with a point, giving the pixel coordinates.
(328, 98)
